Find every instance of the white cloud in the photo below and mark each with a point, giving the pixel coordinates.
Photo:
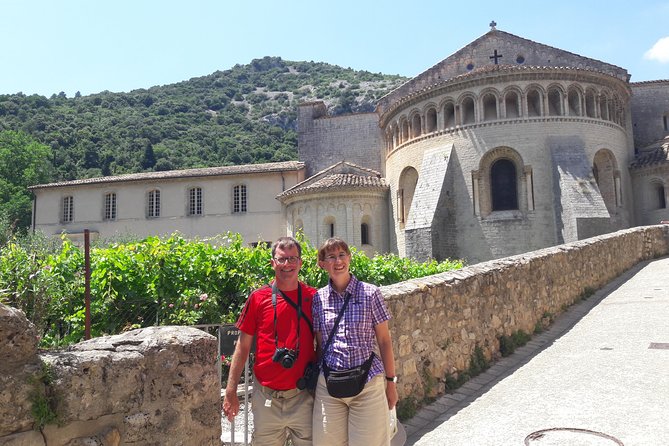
(659, 51)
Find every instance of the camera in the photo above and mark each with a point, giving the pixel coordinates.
(285, 356)
(310, 377)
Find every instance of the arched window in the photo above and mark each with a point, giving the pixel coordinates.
(554, 102)
(534, 103)
(489, 107)
(449, 115)
(364, 234)
(405, 191)
(328, 227)
(416, 129)
(153, 204)
(574, 101)
(431, 120)
(604, 107)
(661, 196)
(512, 105)
(405, 131)
(503, 185)
(468, 115)
(590, 104)
(239, 199)
(604, 170)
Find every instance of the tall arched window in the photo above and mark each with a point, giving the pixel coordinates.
(405, 191)
(468, 114)
(416, 129)
(489, 107)
(604, 170)
(512, 105)
(574, 101)
(364, 234)
(504, 187)
(449, 115)
(534, 103)
(431, 120)
(661, 197)
(554, 102)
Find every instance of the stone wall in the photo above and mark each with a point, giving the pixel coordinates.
(152, 386)
(438, 321)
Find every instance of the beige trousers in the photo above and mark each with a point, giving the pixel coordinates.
(362, 420)
(277, 414)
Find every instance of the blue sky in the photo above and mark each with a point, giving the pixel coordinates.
(94, 45)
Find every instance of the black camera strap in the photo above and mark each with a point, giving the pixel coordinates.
(300, 315)
(297, 307)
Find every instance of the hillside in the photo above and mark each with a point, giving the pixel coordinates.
(246, 114)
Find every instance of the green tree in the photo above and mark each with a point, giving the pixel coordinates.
(23, 162)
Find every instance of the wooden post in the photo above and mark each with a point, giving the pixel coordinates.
(87, 284)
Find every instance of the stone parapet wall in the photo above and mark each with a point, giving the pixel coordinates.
(440, 320)
(152, 386)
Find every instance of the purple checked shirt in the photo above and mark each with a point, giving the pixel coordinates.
(355, 338)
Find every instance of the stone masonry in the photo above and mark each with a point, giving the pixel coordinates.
(439, 320)
(152, 386)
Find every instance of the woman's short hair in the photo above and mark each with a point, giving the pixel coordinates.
(332, 244)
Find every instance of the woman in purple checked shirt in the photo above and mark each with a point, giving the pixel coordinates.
(360, 420)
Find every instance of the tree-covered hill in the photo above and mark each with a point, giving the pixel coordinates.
(246, 114)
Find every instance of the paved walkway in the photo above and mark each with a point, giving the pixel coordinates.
(599, 376)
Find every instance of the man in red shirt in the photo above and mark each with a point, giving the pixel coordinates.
(279, 316)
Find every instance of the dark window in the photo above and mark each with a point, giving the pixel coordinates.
(68, 209)
(364, 234)
(503, 185)
(153, 204)
(195, 201)
(239, 199)
(110, 206)
(662, 201)
(331, 229)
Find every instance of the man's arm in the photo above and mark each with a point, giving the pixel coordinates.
(386, 349)
(239, 357)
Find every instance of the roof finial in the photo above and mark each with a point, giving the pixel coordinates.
(493, 24)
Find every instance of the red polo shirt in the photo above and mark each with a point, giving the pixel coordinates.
(257, 319)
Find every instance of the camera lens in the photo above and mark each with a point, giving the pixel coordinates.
(287, 361)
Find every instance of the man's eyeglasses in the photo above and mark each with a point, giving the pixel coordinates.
(283, 260)
(333, 258)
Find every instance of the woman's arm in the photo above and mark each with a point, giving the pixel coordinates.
(386, 349)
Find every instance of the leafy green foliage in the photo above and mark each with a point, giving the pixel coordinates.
(23, 162)
(157, 281)
(246, 114)
(43, 398)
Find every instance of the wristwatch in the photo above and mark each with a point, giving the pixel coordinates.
(392, 379)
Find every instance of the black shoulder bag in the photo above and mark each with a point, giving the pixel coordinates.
(345, 383)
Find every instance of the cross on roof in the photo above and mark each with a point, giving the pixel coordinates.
(493, 24)
(496, 56)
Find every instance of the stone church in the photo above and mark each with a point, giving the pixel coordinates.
(506, 146)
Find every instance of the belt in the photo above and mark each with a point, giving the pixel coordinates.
(279, 394)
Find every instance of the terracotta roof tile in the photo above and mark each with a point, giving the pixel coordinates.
(339, 181)
(657, 153)
(185, 173)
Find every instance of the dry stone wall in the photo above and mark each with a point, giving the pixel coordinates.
(440, 320)
(152, 386)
